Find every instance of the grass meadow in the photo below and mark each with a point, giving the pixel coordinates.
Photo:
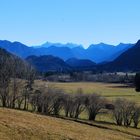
(108, 90)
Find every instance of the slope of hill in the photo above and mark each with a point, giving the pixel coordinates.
(121, 49)
(74, 62)
(80, 53)
(127, 61)
(49, 63)
(21, 125)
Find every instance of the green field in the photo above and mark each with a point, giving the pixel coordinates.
(110, 91)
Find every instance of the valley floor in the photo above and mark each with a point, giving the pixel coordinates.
(109, 90)
(21, 125)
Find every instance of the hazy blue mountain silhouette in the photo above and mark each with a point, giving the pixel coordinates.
(49, 44)
(127, 61)
(79, 53)
(17, 48)
(97, 53)
(24, 51)
(61, 52)
(104, 52)
(120, 49)
(127, 56)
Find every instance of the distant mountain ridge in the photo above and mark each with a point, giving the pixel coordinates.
(49, 44)
(17, 48)
(105, 52)
(97, 53)
(127, 61)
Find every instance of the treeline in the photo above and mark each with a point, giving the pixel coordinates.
(90, 77)
(53, 100)
(16, 79)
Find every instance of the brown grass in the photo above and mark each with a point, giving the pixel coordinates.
(20, 125)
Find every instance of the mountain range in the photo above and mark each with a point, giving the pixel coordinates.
(49, 44)
(126, 61)
(97, 53)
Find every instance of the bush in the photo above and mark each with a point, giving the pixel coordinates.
(136, 116)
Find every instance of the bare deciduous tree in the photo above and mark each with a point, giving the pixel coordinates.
(79, 102)
(30, 77)
(94, 103)
(136, 116)
(18, 72)
(57, 102)
(5, 75)
(128, 108)
(35, 100)
(118, 111)
(123, 112)
(67, 103)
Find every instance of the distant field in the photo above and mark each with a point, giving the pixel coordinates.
(108, 90)
(21, 125)
(111, 91)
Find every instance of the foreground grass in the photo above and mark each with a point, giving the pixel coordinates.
(20, 125)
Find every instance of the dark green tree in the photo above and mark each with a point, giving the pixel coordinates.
(137, 82)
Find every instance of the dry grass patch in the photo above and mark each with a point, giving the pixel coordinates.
(20, 125)
(109, 90)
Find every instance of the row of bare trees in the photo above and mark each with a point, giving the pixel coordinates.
(52, 101)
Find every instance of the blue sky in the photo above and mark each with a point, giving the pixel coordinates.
(84, 22)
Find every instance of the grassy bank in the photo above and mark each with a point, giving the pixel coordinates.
(21, 125)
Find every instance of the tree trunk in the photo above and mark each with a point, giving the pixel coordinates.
(92, 117)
